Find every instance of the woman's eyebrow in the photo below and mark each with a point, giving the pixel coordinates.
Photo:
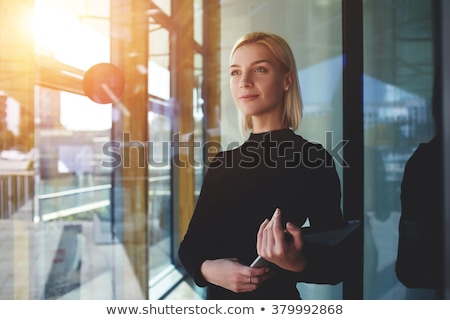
(253, 63)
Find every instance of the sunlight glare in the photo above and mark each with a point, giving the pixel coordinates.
(68, 40)
(62, 36)
(78, 113)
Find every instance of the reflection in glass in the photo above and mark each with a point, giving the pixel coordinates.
(397, 118)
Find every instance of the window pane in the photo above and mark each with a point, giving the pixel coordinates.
(313, 30)
(160, 200)
(160, 122)
(398, 87)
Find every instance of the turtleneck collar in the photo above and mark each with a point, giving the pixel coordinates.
(275, 135)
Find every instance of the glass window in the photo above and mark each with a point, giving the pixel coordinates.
(160, 122)
(314, 31)
(398, 117)
(74, 245)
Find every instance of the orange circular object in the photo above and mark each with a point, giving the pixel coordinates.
(104, 83)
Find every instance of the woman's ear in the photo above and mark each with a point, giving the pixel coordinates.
(288, 80)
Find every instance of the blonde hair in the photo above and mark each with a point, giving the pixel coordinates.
(292, 102)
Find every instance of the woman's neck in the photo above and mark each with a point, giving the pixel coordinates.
(267, 123)
(260, 127)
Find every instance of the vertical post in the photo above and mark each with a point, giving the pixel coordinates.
(353, 126)
(211, 72)
(129, 51)
(445, 54)
(182, 86)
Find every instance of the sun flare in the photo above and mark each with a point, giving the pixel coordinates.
(60, 34)
(63, 36)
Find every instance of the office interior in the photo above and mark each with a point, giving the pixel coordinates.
(92, 205)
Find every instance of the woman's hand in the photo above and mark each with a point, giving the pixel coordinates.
(273, 246)
(234, 276)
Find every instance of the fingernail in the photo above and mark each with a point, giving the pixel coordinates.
(277, 212)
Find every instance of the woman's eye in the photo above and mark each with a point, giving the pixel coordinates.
(234, 72)
(260, 69)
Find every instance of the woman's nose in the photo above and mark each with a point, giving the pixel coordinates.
(245, 81)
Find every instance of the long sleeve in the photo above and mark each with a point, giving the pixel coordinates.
(206, 226)
(325, 264)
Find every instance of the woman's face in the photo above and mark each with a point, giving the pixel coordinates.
(257, 83)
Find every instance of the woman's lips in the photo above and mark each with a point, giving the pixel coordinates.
(248, 97)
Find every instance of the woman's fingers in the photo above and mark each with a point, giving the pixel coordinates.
(259, 239)
(273, 243)
(277, 230)
(234, 276)
(272, 239)
(296, 234)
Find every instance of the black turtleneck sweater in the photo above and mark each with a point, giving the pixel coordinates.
(244, 186)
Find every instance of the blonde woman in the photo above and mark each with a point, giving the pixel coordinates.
(256, 197)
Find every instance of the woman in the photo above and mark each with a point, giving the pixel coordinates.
(256, 197)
